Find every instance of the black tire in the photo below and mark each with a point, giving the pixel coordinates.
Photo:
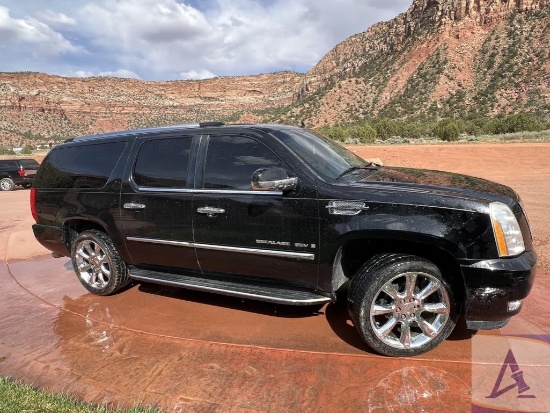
(27, 186)
(7, 184)
(97, 264)
(394, 320)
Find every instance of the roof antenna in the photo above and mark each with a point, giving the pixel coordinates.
(302, 124)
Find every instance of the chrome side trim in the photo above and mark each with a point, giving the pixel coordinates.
(161, 241)
(256, 251)
(274, 253)
(237, 192)
(164, 190)
(209, 191)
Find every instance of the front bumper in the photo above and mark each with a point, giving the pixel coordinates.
(495, 288)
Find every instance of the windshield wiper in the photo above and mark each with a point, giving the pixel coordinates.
(370, 165)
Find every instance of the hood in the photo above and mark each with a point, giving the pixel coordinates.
(438, 181)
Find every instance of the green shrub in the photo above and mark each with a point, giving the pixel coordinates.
(27, 150)
(336, 133)
(447, 130)
(521, 122)
(6, 151)
(386, 128)
(364, 133)
(411, 130)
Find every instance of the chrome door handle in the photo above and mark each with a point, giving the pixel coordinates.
(210, 211)
(133, 205)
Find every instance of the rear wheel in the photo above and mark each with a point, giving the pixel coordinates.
(26, 186)
(7, 184)
(97, 264)
(401, 305)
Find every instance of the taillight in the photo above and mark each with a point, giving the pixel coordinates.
(21, 172)
(33, 205)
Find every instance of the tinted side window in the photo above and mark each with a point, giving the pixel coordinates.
(85, 166)
(231, 161)
(162, 163)
(9, 165)
(29, 163)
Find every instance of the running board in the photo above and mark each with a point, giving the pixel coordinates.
(264, 292)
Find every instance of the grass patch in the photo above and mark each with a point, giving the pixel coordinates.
(17, 397)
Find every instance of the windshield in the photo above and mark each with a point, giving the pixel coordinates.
(326, 157)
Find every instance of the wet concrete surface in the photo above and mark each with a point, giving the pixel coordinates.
(184, 351)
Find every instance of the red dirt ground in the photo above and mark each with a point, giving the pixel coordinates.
(188, 352)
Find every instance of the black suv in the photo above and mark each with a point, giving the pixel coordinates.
(280, 214)
(17, 172)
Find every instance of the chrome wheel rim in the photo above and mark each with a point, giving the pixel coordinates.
(410, 310)
(93, 264)
(5, 185)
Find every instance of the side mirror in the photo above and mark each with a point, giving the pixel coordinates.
(273, 179)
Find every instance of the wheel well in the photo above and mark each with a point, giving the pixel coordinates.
(356, 253)
(75, 227)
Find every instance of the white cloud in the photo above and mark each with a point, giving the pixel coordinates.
(55, 20)
(197, 75)
(124, 73)
(79, 73)
(165, 38)
(31, 31)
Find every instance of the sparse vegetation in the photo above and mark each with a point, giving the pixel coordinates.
(6, 151)
(519, 126)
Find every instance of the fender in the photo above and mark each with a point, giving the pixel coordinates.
(421, 230)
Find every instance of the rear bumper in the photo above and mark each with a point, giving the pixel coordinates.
(22, 180)
(53, 238)
(495, 289)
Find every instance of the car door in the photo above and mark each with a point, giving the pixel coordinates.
(240, 231)
(156, 201)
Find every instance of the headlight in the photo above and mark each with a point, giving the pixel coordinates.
(507, 232)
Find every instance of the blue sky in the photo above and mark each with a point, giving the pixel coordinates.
(174, 40)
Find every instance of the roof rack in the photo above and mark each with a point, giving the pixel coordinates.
(207, 124)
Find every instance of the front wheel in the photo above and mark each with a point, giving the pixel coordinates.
(7, 184)
(401, 305)
(97, 264)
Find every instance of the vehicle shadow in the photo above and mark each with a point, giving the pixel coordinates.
(336, 314)
(340, 322)
(461, 332)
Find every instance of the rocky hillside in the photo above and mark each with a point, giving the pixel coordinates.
(440, 58)
(35, 106)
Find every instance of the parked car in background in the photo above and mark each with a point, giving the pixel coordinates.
(17, 172)
(280, 214)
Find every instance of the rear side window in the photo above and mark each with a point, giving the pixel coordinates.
(86, 166)
(29, 163)
(162, 163)
(9, 165)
